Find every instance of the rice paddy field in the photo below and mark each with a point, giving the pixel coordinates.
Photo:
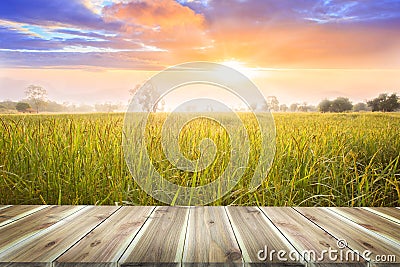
(321, 160)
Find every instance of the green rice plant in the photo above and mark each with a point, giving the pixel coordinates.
(320, 160)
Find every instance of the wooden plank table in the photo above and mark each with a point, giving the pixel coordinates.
(63, 236)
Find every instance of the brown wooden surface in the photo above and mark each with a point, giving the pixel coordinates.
(64, 236)
(107, 243)
(357, 237)
(305, 236)
(15, 213)
(49, 244)
(392, 214)
(372, 222)
(210, 238)
(162, 239)
(255, 232)
(14, 233)
(4, 206)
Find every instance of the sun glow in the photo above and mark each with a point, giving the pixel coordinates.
(240, 67)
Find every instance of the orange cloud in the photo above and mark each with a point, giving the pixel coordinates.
(260, 35)
(163, 13)
(162, 23)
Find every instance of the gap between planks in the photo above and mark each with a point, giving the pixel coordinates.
(15, 213)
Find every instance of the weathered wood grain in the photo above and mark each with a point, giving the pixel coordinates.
(254, 233)
(392, 214)
(106, 244)
(161, 239)
(357, 237)
(312, 242)
(15, 213)
(66, 236)
(43, 248)
(2, 207)
(372, 222)
(210, 238)
(15, 232)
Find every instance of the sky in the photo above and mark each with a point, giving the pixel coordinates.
(91, 51)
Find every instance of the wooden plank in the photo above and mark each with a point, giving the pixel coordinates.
(106, 244)
(210, 238)
(357, 237)
(26, 227)
(2, 207)
(161, 239)
(255, 233)
(15, 213)
(392, 214)
(372, 222)
(312, 242)
(43, 248)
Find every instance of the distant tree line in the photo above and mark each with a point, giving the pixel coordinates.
(36, 101)
(272, 104)
(383, 102)
(340, 104)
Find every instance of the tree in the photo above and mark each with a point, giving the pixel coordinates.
(22, 107)
(147, 97)
(8, 104)
(393, 103)
(52, 106)
(384, 103)
(360, 107)
(283, 108)
(294, 107)
(37, 95)
(340, 104)
(303, 107)
(273, 103)
(325, 105)
(312, 108)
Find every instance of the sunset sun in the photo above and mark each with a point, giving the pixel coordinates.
(240, 67)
